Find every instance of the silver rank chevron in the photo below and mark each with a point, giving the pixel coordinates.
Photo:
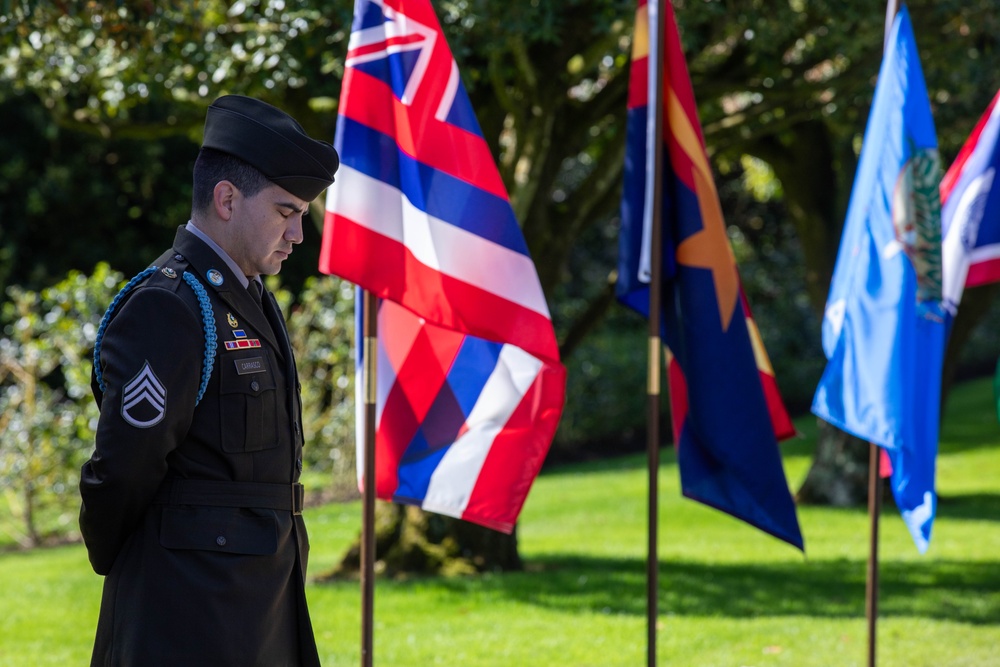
(144, 399)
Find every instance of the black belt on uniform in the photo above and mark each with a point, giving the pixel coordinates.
(258, 495)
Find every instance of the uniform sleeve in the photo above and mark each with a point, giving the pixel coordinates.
(151, 358)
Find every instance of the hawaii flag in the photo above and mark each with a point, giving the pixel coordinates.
(727, 413)
(470, 387)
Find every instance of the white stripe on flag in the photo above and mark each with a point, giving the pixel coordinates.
(359, 392)
(359, 422)
(959, 239)
(984, 254)
(399, 26)
(435, 243)
(448, 97)
(455, 477)
(385, 376)
(654, 70)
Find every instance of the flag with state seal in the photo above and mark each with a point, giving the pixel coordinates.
(470, 386)
(884, 327)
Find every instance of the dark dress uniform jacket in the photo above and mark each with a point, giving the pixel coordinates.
(189, 506)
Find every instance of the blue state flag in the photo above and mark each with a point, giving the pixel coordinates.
(883, 329)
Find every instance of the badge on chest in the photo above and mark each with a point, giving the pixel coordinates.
(249, 366)
(242, 344)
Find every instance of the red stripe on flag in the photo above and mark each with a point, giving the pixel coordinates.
(885, 463)
(517, 453)
(638, 90)
(956, 168)
(677, 83)
(467, 157)
(983, 273)
(391, 439)
(677, 384)
(380, 46)
(422, 12)
(418, 381)
(422, 375)
(358, 254)
(780, 421)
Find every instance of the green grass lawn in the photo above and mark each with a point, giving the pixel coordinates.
(730, 596)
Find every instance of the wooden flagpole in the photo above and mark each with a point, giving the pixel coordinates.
(655, 344)
(370, 333)
(874, 472)
(871, 584)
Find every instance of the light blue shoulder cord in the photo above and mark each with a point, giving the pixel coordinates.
(208, 322)
(129, 286)
(211, 339)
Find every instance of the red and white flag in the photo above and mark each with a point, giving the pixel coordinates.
(470, 386)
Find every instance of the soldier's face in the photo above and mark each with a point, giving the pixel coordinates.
(269, 224)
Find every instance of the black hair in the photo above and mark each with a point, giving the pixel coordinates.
(213, 166)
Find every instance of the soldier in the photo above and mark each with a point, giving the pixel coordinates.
(191, 500)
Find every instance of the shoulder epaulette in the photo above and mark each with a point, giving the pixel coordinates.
(207, 317)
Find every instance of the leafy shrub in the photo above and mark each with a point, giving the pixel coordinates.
(320, 323)
(46, 410)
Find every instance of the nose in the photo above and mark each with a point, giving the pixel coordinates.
(293, 234)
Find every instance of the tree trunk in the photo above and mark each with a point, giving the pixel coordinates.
(812, 177)
(34, 538)
(975, 305)
(816, 191)
(410, 541)
(839, 473)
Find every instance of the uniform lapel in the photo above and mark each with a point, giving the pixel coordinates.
(276, 320)
(240, 301)
(203, 260)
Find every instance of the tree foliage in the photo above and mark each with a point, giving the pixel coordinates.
(69, 200)
(46, 410)
(319, 320)
(788, 82)
(110, 100)
(147, 69)
(48, 416)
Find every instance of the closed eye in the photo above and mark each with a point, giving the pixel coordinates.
(287, 210)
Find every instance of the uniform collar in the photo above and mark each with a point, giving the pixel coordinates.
(237, 272)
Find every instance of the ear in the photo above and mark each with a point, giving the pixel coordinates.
(223, 197)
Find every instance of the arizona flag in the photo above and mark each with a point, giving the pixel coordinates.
(470, 387)
(884, 324)
(727, 413)
(970, 211)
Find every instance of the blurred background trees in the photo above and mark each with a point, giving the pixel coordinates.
(103, 105)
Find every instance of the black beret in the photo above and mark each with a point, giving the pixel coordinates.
(270, 140)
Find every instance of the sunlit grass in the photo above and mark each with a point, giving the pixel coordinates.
(729, 596)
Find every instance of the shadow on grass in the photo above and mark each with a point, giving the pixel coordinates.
(968, 437)
(619, 463)
(974, 506)
(958, 591)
